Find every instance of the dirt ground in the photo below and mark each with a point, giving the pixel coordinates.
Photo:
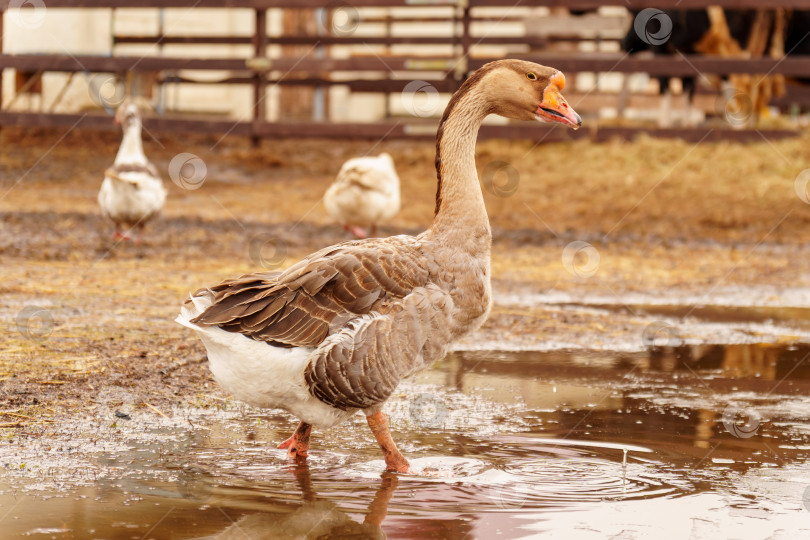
(80, 312)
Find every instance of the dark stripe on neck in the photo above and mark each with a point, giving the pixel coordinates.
(135, 167)
(471, 81)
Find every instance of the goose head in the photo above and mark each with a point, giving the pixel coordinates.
(126, 114)
(527, 91)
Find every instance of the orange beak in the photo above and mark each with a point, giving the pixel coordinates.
(554, 108)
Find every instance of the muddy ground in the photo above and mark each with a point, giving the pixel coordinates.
(669, 222)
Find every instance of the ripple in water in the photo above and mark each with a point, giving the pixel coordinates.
(437, 469)
(514, 473)
(550, 477)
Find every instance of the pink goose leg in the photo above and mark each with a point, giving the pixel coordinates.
(298, 445)
(358, 232)
(394, 460)
(118, 235)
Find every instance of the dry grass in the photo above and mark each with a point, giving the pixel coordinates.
(666, 188)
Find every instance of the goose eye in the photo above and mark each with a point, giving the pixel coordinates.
(531, 76)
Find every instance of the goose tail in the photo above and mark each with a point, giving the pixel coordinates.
(194, 306)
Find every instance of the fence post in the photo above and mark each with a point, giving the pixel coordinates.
(466, 39)
(260, 77)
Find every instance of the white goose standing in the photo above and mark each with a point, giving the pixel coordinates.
(336, 332)
(365, 193)
(132, 192)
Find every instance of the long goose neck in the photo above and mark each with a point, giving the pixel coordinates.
(131, 149)
(460, 210)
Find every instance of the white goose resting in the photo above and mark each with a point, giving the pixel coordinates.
(336, 332)
(132, 192)
(365, 193)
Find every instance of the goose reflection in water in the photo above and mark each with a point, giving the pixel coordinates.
(315, 518)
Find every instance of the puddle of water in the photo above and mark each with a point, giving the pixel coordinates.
(706, 440)
(748, 316)
(798, 317)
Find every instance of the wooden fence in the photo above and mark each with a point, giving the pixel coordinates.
(464, 50)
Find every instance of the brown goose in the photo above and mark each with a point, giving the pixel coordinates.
(337, 332)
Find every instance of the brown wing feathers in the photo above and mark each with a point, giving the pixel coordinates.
(317, 296)
(361, 367)
(266, 311)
